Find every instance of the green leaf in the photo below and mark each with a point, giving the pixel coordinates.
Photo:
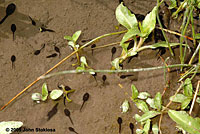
(155, 129)
(36, 96)
(158, 101)
(125, 17)
(197, 35)
(148, 115)
(185, 103)
(178, 98)
(76, 35)
(115, 63)
(150, 101)
(172, 4)
(55, 94)
(143, 95)
(139, 131)
(142, 106)
(71, 43)
(188, 123)
(147, 126)
(131, 32)
(80, 68)
(149, 23)
(134, 92)
(44, 92)
(125, 106)
(7, 127)
(188, 87)
(137, 117)
(131, 52)
(69, 38)
(83, 60)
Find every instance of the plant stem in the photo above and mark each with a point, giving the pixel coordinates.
(115, 71)
(55, 66)
(157, 15)
(193, 31)
(194, 54)
(179, 9)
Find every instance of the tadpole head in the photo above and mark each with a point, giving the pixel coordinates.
(67, 88)
(131, 126)
(113, 50)
(13, 58)
(67, 112)
(104, 77)
(37, 52)
(119, 120)
(10, 9)
(93, 46)
(86, 96)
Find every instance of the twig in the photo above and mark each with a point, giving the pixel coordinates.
(194, 98)
(159, 125)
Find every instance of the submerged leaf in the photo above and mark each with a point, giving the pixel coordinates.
(139, 131)
(69, 38)
(143, 95)
(7, 127)
(148, 115)
(150, 101)
(147, 126)
(173, 4)
(125, 17)
(36, 96)
(155, 129)
(125, 106)
(115, 63)
(142, 106)
(188, 87)
(158, 101)
(178, 98)
(149, 23)
(44, 92)
(185, 103)
(188, 123)
(134, 92)
(76, 35)
(55, 94)
(83, 60)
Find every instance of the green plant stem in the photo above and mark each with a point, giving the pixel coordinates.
(115, 71)
(157, 15)
(140, 42)
(179, 9)
(194, 54)
(193, 31)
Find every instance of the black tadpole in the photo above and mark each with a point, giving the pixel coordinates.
(85, 98)
(72, 130)
(38, 51)
(93, 46)
(42, 29)
(67, 88)
(104, 78)
(120, 1)
(94, 75)
(9, 10)
(119, 121)
(131, 126)
(67, 113)
(125, 76)
(113, 51)
(52, 55)
(57, 50)
(53, 111)
(32, 21)
(13, 29)
(13, 59)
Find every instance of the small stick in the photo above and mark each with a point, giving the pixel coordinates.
(194, 98)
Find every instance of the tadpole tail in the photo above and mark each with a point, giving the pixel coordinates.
(13, 36)
(71, 120)
(82, 106)
(120, 129)
(112, 57)
(131, 131)
(3, 19)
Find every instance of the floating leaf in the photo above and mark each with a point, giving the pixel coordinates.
(185, 103)
(36, 96)
(150, 101)
(44, 92)
(125, 106)
(139, 131)
(188, 123)
(147, 126)
(178, 98)
(76, 35)
(69, 38)
(134, 92)
(83, 60)
(172, 4)
(158, 101)
(148, 115)
(143, 95)
(142, 106)
(155, 129)
(188, 87)
(149, 23)
(125, 17)
(131, 32)
(7, 127)
(55, 94)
